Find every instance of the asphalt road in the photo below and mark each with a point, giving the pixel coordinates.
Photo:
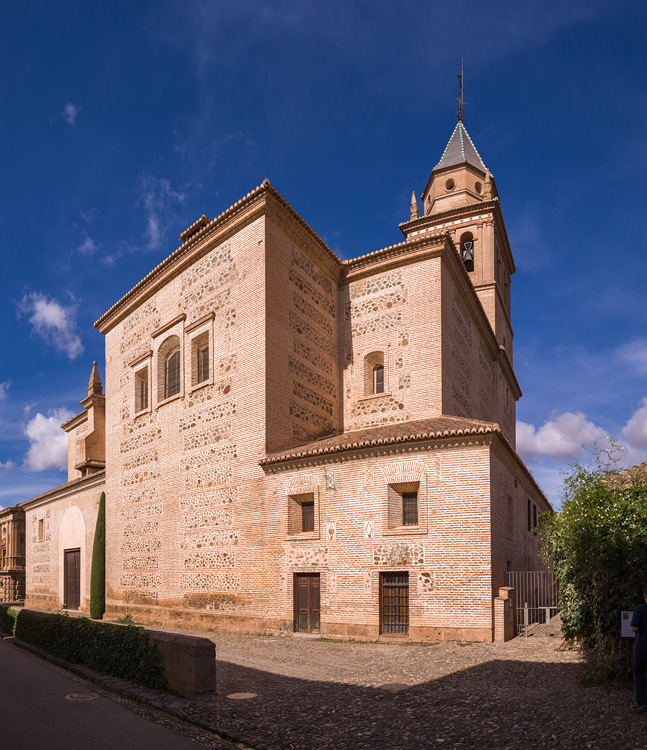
(42, 708)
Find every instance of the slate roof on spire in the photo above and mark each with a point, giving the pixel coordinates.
(460, 150)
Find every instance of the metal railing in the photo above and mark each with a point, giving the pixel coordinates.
(536, 597)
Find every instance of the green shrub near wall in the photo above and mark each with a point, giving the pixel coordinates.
(117, 650)
(7, 619)
(98, 573)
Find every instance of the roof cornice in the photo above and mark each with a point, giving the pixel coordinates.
(76, 485)
(245, 210)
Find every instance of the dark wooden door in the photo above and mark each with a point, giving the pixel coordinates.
(394, 603)
(72, 578)
(307, 616)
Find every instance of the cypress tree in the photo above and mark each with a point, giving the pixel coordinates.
(98, 573)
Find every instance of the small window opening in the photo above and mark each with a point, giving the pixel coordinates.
(41, 529)
(200, 359)
(308, 516)
(534, 516)
(172, 373)
(141, 390)
(302, 518)
(409, 508)
(378, 379)
(529, 515)
(374, 374)
(402, 504)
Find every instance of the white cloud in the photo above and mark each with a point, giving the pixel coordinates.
(634, 354)
(565, 436)
(88, 246)
(7, 465)
(634, 432)
(159, 201)
(4, 387)
(48, 442)
(70, 113)
(53, 322)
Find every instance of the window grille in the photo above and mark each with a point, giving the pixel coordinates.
(308, 516)
(172, 379)
(409, 508)
(203, 364)
(141, 393)
(378, 379)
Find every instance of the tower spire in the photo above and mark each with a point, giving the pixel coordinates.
(461, 103)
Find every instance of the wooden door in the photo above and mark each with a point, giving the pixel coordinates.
(307, 615)
(72, 578)
(394, 603)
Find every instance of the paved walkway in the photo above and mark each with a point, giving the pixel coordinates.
(315, 695)
(41, 707)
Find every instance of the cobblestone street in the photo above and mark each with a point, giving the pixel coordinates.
(314, 694)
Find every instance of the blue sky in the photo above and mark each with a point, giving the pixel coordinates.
(123, 122)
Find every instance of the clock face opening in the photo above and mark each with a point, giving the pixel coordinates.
(450, 184)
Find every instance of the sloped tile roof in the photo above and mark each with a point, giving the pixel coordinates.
(460, 150)
(397, 432)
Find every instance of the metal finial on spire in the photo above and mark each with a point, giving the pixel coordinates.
(461, 103)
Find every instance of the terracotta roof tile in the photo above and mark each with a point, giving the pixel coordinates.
(397, 432)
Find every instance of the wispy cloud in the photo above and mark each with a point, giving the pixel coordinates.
(160, 202)
(70, 113)
(88, 246)
(48, 442)
(4, 388)
(53, 322)
(634, 354)
(7, 465)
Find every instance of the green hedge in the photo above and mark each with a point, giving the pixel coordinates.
(121, 651)
(7, 619)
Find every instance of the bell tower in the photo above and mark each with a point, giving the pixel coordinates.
(461, 199)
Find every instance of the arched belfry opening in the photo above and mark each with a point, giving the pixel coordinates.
(467, 250)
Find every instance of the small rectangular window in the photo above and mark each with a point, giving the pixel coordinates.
(409, 508)
(203, 364)
(403, 504)
(200, 369)
(308, 516)
(302, 515)
(41, 529)
(529, 516)
(534, 516)
(141, 390)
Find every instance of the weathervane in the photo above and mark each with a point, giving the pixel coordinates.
(461, 103)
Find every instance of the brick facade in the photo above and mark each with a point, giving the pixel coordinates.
(275, 416)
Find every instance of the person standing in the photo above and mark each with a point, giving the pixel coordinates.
(639, 627)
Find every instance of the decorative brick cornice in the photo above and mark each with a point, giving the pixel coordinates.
(76, 485)
(392, 434)
(407, 251)
(247, 208)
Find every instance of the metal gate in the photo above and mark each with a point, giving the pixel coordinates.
(536, 597)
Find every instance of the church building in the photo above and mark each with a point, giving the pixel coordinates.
(291, 442)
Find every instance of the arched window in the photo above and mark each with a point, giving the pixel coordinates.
(172, 373)
(374, 373)
(169, 368)
(467, 250)
(378, 379)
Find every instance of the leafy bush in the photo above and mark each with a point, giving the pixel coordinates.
(598, 549)
(7, 619)
(98, 572)
(116, 650)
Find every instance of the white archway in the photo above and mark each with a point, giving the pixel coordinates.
(71, 536)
